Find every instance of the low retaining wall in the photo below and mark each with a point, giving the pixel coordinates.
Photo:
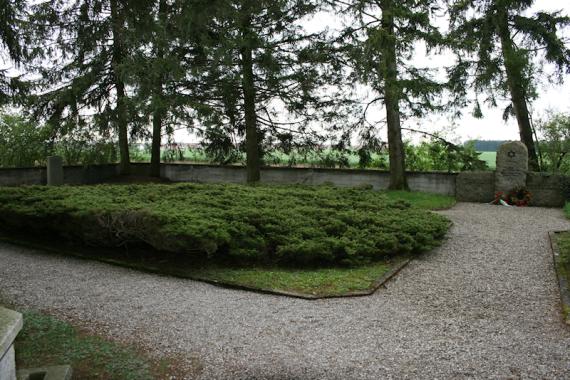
(441, 183)
(23, 176)
(466, 186)
(72, 175)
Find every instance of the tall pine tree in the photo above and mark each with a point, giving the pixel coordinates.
(86, 44)
(167, 66)
(262, 65)
(10, 41)
(380, 44)
(497, 43)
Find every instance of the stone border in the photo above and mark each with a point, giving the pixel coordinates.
(396, 268)
(562, 280)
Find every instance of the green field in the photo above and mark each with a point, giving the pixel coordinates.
(326, 158)
(489, 157)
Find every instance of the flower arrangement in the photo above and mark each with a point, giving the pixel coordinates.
(498, 198)
(519, 196)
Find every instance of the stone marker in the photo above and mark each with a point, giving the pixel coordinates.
(10, 325)
(512, 166)
(54, 171)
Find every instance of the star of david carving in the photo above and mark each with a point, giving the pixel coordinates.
(511, 154)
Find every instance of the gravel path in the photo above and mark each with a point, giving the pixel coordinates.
(484, 305)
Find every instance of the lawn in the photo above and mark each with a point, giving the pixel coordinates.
(316, 282)
(427, 201)
(563, 264)
(49, 341)
(567, 210)
(563, 268)
(322, 241)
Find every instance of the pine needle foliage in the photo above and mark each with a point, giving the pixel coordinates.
(498, 45)
(380, 45)
(288, 225)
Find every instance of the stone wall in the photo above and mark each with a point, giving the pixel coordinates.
(475, 187)
(546, 189)
(479, 187)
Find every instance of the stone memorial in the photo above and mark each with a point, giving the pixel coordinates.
(54, 171)
(512, 166)
(10, 325)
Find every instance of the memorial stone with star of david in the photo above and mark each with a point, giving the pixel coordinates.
(512, 166)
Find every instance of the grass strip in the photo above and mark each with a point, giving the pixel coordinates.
(561, 248)
(48, 341)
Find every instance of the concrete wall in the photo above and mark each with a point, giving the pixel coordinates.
(24, 176)
(466, 186)
(72, 175)
(441, 183)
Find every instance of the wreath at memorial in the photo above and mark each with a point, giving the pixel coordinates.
(519, 196)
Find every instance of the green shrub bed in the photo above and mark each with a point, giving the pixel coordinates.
(291, 225)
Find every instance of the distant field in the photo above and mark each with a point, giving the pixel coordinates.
(324, 159)
(489, 157)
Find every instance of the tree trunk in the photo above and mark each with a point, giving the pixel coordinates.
(159, 112)
(121, 108)
(122, 123)
(514, 75)
(248, 85)
(392, 95)
(156, 141)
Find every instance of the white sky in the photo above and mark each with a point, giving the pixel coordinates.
(552, 97)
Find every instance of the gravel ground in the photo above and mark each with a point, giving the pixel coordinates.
(484, 305)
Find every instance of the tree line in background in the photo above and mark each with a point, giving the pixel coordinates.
(24, 144)
(248, 76)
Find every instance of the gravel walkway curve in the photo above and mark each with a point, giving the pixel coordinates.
(484, 305)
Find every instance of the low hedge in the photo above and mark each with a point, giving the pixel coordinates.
(277, 224)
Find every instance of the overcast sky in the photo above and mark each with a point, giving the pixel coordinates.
(552, 97)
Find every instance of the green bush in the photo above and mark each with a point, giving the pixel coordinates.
(24, 143)
(276, 224)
